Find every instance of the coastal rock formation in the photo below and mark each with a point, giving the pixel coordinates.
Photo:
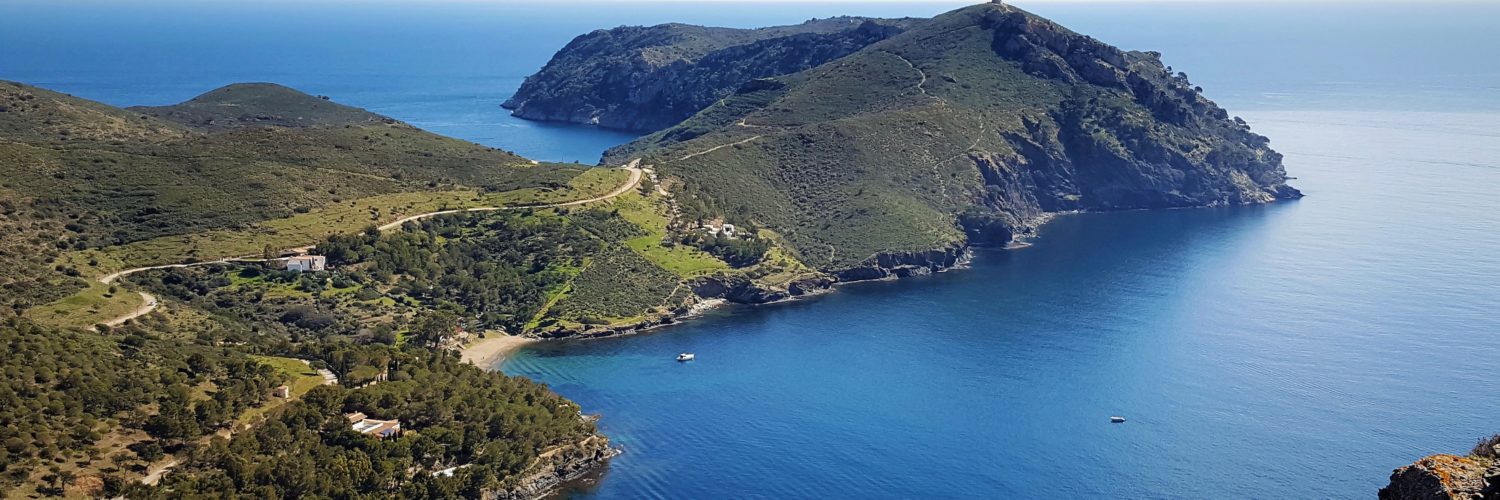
(1445, 477)
(737, 289)
(906, 264)
(970, 128)
(809, 286)
(554, 468)
(649, 78)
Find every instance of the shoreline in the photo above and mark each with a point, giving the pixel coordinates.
(495, 347)
(1019, 241)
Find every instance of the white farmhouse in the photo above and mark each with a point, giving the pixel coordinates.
(306, 263)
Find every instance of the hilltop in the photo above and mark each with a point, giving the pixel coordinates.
(972, 127)
(250, 104)
(649, 78)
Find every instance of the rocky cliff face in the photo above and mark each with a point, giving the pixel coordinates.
(1170, 147)
(906, 264)
(649, 78)
(554, 468)
(1445, 477)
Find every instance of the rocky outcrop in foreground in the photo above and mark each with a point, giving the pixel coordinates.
(1443, 477)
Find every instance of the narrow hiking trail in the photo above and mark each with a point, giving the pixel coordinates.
(149, 302)
(921, 85)
(635, 179)
(716, 148)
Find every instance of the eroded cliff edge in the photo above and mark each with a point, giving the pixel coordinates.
(1445, 477)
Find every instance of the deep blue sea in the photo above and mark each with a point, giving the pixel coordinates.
(1296, 350)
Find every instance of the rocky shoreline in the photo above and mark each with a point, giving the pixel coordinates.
(555, 468)
(716, 291)
(1443, 477)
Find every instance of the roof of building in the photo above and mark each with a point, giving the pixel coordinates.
(376, 427)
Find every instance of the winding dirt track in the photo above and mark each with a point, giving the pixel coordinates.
(150, 302)
(635, 179)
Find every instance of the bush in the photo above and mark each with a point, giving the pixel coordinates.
(1488, 447)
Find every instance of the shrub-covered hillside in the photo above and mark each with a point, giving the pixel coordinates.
(966, 128)
(650, 78)
(76, 174)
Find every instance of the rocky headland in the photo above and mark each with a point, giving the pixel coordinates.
(902, 143)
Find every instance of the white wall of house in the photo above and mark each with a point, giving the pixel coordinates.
(306, 263)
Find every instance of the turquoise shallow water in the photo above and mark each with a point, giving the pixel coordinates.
(1297, 350)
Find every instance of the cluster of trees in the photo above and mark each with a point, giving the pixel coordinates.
(285, 315)
(736, 251)
(63, 391)
(66, 391)
(482, 271)
(617, 284)
(239, 384)
(29, 272)
(456, 413)
(606, 224)
(494, 268)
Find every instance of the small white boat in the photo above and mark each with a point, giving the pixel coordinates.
(687, 356)
(1117, 419)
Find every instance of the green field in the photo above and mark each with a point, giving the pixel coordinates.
(94, 304)
(300, 378)
(650, 214)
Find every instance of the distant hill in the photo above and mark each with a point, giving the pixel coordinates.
(78, 174)
(969, 128)
(649, 78)
(36, 115)
(249, 104)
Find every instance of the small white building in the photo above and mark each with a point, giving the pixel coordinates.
(716, 229)
(306, 263)
(282, 392)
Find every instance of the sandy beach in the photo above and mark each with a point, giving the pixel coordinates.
(493, 348)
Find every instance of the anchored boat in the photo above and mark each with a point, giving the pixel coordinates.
(687, 356)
